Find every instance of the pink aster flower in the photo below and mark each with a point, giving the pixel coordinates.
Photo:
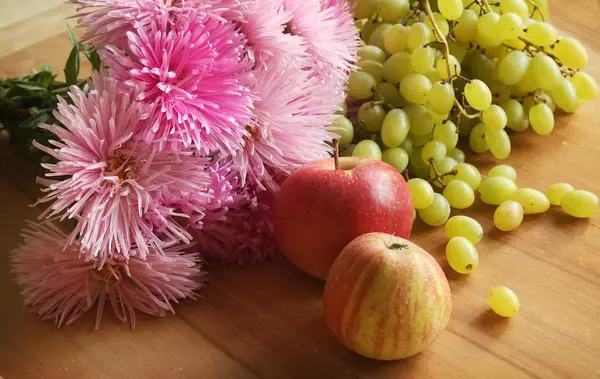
(194, 79)
(228, 9)
(60, 286)
(106, 180)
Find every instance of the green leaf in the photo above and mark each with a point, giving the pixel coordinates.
(72, 36)
(94, 59)
(32, 86)
(72, 66)
(32, 122)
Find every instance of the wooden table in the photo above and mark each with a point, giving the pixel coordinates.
(265, 321)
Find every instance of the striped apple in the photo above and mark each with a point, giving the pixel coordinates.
(386, 298)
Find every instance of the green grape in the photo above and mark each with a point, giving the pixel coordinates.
(450, 9)
(526, 85)
(343, 127)
(368, 29)
(510, 26)
(497, 51)
(515, 44)
(474, 6)
(528, 103)
(458, 50)
(421, 140)
(443, 166)
(494, 118)
(396, 157)
(477, 140)
(478, 94)
(378, 36)
(504, 171)
(433, 150)
(394, 130)
(418, 35)
(515, 115)
(371, 115)
(388, 93)
(508, 216)
(544, 71)
(372, 68)
(437, 213)
(371, 53)
(407, 145)
(532, 200)
(438, 118)
(343, 109)
(392, 10)
(442, 24)
(415, 87)
(360, 85)
(496, 190)
(498, 143)
(585, 86)
(541, 119)
(564, 95)
(466, 227)
(466, 27)
(433, 76)
(571, 52)
(543, 5)
(500, 92)
(442, 67)
(545, 98)
(462, 255)
(367, 149)
(457, 154)
(488, 30)
(421, 192)
(365, 8)
(459, 194)
(447, 134)
(503, 301)
(512, 68)
(557, 191)
(417, 165)
(421, 121)
(515, 6)
(440, 98)
(395, 39)
(397, 67)
(483, 67)
(422, 59)
(467, 173)
(579, 203)
(541, 34)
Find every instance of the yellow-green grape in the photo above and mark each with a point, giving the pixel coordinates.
(571, 52)
(512, 67)
(419, 167)
(371, 115)
(579, 203)
(515, 6)
(395, 39)
(447, 134)
(515, 44)
(564, 95)
(421, 120)
(396, 157)
(496, 51)
(360, 85)
(418, 35)
(421, 140)
(459, 194)
(443, 166)
(528, 103)
(407, 145)
(515, 115)
(378, 36)
(543, 97)
(457, 154)
(415, 87)
(478, 94)
(388, 93)
(421, 192)
(371, 53)
(344, 128)
(556, 191)
(545, 71)
(392, 10)
(498, 143)
(368, 29)
(441, 23)
(474, 6)
(395, 128)
(343, 109)
(585, 86)
(437, 213)
(503, 301)
(504, 171)
(372, 68)
(422, 59)
(541, 34)
(532, 200)
(494, 118)
(365, 8)
(483, 67)
(440, 98)
(500, 92)
(467, 173)
(477, 140)
(510, 26)
(462, 255)
(450, 9)
(439, 118)
(496, 190)
(463, 226)
(396, 67)
(466, 28)
(367, 149)
(541, 119)
(508, 216)
(488, 30)
(434, 76)
(458, 50)
(542, 5)
(433, 150)
(526, 85)
(442, 67)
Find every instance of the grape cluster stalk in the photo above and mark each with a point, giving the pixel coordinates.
(430, 72)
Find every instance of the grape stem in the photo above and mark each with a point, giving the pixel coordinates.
(439, 177)
(536, 8)
(487, 6)
(336, 153)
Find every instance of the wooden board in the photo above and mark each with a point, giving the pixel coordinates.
(265, 321)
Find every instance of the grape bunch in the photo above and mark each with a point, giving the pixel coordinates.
(432, 72)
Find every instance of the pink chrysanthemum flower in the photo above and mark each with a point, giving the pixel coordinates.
(106, 180)
(60, 286)
(228, 9)
(194, 77)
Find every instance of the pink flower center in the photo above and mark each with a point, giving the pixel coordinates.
(123, 170)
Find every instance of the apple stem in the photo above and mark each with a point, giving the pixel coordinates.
(336, 153)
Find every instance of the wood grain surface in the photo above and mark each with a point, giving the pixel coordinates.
(265, 321)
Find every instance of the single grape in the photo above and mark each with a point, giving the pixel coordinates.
(496, 190)
(459, 194)
(503, 301)
(556, 191)
(442, 24)
(447, 134)
(515, 44)
(368, 29)
(514, 113)
(488, 30)
(463, 226)
(396, 67)
(462, 255)
(474, 6)
(396, 157)
(344, 128)
(388, 93)
(360, 85)
(541, 119)
(515, 6)
(478, 94)
(585, 86)
(483, 67)
(442, 67)
(371, 53)
(421, 120)
(371, 115)
(494, 118)
(532, 200)
(467, 173)
(579, 203)
(395, 39)
(450, 9)
(545, 71)
(510, 26)
(564, 95)
(419, 167)
(422, 59)
(407, 145)
(415, 87)
(458, 50)
(434, 76)
(377, 38)
(418, 35)
(498, 143)
(440, 98)
(457, 154)
(442, 167)
(367, 149)
(512, 67)
(395, 128)
(571, 52)
(500, 92)
(421, 192)
(504, 171)
(477, 140)
(466, 27)
(437, 213)
(421, 140)
(433, 150)
(392, 10)
(541, 34)
(365, 8)
(508, 216)
(372, 68)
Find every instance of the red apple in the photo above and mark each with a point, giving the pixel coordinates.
(320, 209)
(386, 298)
